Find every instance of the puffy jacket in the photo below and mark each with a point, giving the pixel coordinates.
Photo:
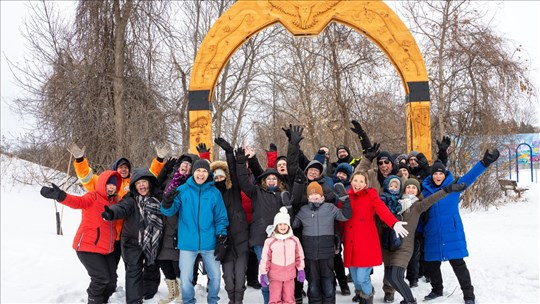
(444, 234)
(88, 180)
(94, 233)
(201, 215)
(281, 258)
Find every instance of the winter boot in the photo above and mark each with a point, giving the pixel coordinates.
(345, 289)
(357, 298)
(368, 299)
(95, 300)
(432, 295)
(171, 286)
(388, 297)
(405, 302)
(178, 288)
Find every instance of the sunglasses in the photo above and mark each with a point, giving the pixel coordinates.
(386, 162)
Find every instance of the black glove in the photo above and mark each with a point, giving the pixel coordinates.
(444, 143)
(341, 192)
(455, 187)
(201, 148)
(286, 199)
(168, 198)
(221, 247)
(490, 157)
(55, 193)
(296, 134)
(240, 155)
(169, 164)
(272, 148)
(362, 135)
(372, 152)
(421, 159)
(108, 214)
(287, 132)
(225, 145)
(300, 177)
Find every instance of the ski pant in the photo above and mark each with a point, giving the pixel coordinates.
(170, 269)
(102, 271)
(234, 276)
(394, 275)
(141, 280)
(339, 269)
(281, 292)
(433, 269)
(321, 281)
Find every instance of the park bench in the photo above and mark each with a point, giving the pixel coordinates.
(508, 184)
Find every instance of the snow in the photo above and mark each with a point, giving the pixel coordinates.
(39, 266)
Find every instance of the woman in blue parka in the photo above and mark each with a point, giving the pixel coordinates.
(444, 232)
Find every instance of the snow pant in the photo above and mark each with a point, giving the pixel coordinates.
(394, 275)
(413, 268)
(281, 292)
(252, 272)
(361, 279)
(170, 269)
(321, 281)
(102, 271)
(187, 260)
(234, 276)
(339, 269)
(141, 280)
(264, 290)
(460, 270)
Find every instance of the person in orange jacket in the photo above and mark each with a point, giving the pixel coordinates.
(95, 237)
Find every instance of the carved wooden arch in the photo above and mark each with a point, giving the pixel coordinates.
(373, 19)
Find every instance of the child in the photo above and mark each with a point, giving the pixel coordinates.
(317, 219)
(412, 205)
(282, 255)
(362, 249)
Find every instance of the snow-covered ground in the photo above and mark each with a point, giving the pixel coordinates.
(38, 266)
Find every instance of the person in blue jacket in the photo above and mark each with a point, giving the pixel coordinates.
(444, 232)
(202, 228)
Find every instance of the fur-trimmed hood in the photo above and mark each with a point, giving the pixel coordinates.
(219, 164)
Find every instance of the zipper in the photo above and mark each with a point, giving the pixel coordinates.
(199, 218)
(111, 229)
(80, 241)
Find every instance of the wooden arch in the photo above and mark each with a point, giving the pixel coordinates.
(373, 19)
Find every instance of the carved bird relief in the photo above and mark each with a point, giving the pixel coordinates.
(304, 13)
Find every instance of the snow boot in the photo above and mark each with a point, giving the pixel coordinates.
(171, 286)
(388, 297)
(405, 302)
(368, 299)
(178, 288)
(432, 295)
(357, 298)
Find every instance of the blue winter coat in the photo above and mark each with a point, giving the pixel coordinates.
(201, 215)
(444, 232)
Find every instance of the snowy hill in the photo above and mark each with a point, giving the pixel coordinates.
(39, 266)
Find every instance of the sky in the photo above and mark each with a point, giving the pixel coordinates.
(39, 266)
(518, 20)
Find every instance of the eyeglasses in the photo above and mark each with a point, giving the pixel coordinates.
(386, 162)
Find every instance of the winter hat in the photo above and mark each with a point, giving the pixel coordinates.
(384, 155)
(282, 157)
(200, 164)
(314, 164)
(269, 171)
(412, 154)
(345, 168)
(314, 187)
(282, 217)
(438, 167)
(404, 166)
(343, 147)
(220, 172)
(400, 157)
(121, 161)
(412, 181)
(112, 180)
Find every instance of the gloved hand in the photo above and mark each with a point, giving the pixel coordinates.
(169, 164)
(454, 186)
(400, 230)
(225, 145)
(272, 148)
(301, 276)
(296, 134)
(263, 279)
(421, 159)
(240, 156)
(490, 157)
(300, 177)
(161, 152)
(286, 199)
(221, 247)
(287, 132)
(201, 148)
(444, 143)
(372, 152)
(362, 135)
(108, 214)
(77, 152)
(168, 198)
(55, 193)
(341, 192)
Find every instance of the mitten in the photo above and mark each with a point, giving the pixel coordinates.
(341, 192)
(264, 280)
(108, 214)
(400, 230)
(301, 276)
(161, 152)
(300, 177)
(221, 247)
(455, 187)
(490, 157)
(240, 156)
(77, 152)
(225, 145)
(372, 152)
(168, 198)
(54, 193)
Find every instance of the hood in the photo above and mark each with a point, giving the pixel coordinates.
(120, 161)
(219, 164)
(189, 157)
(140, 173)
(101, 186)
(387, 182)
(315, 164)
(344, 167)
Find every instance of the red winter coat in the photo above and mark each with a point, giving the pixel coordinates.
(95, 234)
(362, 247)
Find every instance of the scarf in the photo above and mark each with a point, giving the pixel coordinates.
(406, 201)
(151, 227)
(176, 181)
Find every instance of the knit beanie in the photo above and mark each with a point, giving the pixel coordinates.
(412, 181)
(343, 147)
(112, 180)
(200, 164)
(438, 167)
(314, 187)
(282, 217)
(412, 154)
(384, 155)
(315, 164)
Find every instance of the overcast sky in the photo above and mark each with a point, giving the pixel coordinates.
(518, 20)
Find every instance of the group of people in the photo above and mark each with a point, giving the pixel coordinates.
(298, 220)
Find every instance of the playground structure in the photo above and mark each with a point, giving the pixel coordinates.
(373, 19)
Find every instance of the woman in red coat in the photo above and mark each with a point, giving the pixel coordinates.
(362, 249)
(94, 240)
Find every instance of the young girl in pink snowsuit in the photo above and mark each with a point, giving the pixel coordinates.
(282, 255)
